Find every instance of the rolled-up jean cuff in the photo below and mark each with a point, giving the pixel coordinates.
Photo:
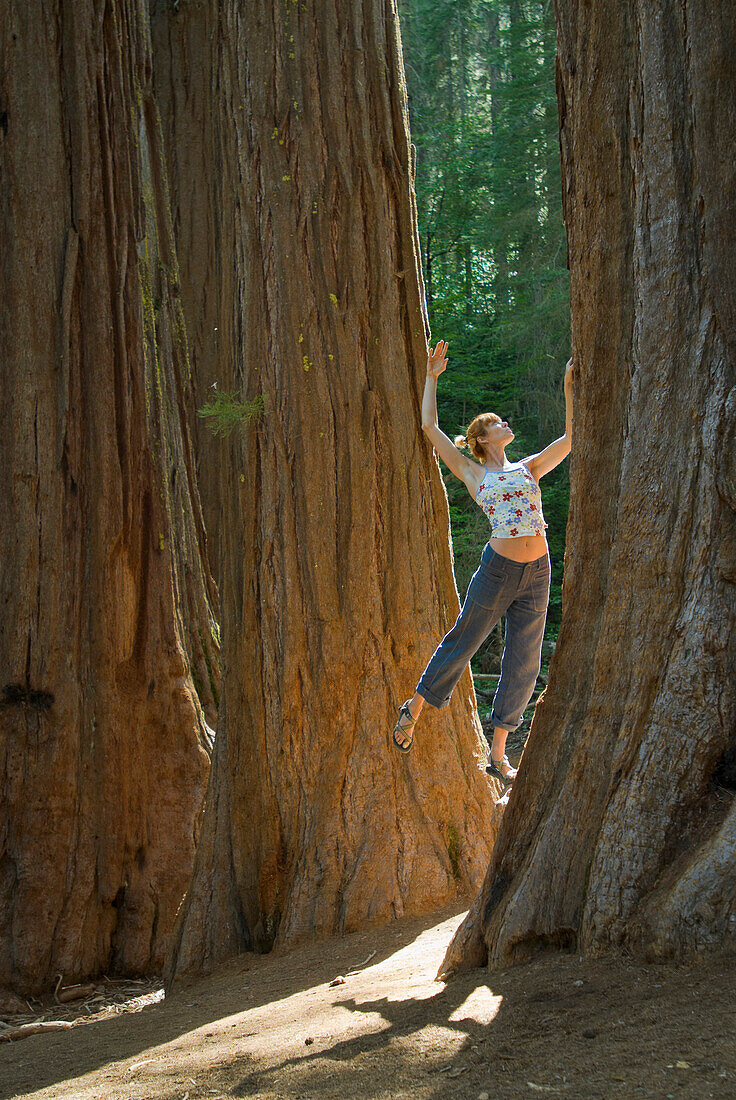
(500, 725)
(431, 698)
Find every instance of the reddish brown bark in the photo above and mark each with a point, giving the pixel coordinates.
(107, 601)
(621, 827)
(336, 571)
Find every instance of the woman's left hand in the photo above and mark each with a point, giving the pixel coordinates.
(569, 369)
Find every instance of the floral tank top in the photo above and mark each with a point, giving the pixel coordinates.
(512, 500)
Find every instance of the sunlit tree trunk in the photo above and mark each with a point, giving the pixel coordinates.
(107, 621)
(336, 569)
(622, 825)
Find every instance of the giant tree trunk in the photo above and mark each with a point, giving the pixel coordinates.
(107, 603)
(622, 824)
(336, 578)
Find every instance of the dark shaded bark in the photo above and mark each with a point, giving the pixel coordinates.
(621, 827)
(183, 40)
(108, 607)
(336, 572)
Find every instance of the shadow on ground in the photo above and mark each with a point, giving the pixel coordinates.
(241, 985)
(616, 1031)
(272, 1028)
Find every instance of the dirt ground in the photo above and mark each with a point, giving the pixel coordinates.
(273, 1027)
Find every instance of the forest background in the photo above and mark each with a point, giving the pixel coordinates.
(483, 111)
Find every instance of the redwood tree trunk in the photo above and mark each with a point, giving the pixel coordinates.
(622, 824)
(336, 573)
(107, 603)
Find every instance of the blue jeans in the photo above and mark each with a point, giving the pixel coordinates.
(499, 586)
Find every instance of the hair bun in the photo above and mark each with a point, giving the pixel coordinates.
(461, 441)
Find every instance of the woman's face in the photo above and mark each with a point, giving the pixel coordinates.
(497, 433)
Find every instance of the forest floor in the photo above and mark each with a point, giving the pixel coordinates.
(275, 1026)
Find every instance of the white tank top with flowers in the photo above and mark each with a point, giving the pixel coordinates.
(512, 500)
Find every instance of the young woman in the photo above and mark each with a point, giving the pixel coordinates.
(512, 578)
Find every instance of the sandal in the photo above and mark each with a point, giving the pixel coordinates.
(404, 712)
(493, 767)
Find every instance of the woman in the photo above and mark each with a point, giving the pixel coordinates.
(512, 578)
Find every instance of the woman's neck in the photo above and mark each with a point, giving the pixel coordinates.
(495, 458)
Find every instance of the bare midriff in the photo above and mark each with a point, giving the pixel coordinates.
(522, 548)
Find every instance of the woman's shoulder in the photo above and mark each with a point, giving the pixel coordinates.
(475, 477)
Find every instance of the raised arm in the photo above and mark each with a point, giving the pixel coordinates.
(462, 467)
(546, 460)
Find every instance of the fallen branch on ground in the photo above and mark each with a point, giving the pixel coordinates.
(34, 1029)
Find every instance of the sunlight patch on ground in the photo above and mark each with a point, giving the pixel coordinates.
(480, 1006)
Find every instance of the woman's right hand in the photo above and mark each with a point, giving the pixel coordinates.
(437, 360)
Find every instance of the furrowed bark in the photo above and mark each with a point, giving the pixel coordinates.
(108, 606)
(183, 42)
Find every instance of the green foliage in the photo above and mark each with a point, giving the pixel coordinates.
(483, 112)
(224, 412)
